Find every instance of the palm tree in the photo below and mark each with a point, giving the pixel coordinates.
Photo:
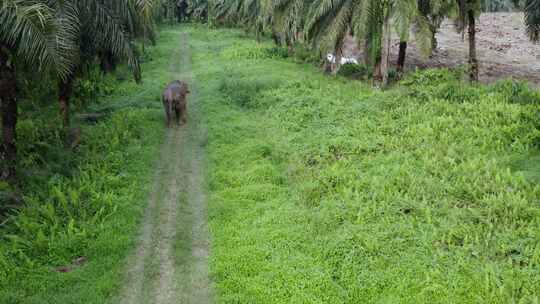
(198, 9)
(227, 11)
(387, 9)
(371, 31)
(106, 30)
(251, 15)
(165, 10)
(376, 29)
(531, 9)
(256, 15)
(30, 32)
(435, 11)
(467, 13)
(329, 21)
(61, 36)
(407, 16)
(289, 18)
(532, 19)
(144, 10)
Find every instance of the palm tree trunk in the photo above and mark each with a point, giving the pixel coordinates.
(298, 37)
(144, 40)
(385, 53)
(328, 66)
(338, 50)
(290, 45)
(152, 38)
(434, 42)
(401, 57)
(473, 60)
(107, 63)
(8, 109)
(367, 51)
(275, 37)
(339, 55)
(65, 89)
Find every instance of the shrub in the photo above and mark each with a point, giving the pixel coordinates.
(355, 71)
(38, 138)
(242, 89)
(432, 77)
(440, 84)
(517, 92)
(277, 52)
(243, 51)
(61, 218)
(94, 85)
(393, 75)
(303, 53)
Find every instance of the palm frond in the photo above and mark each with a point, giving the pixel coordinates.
(110, 34)
(30, 27)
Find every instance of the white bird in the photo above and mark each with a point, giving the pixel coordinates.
(331, 58)
(344, 60)
(348, 60)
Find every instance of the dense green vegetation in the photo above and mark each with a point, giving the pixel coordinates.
(327, 191)
(87, 202)
(322, 25)
(322, 189)
(61, 41)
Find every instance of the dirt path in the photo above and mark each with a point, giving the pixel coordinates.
(170, 263)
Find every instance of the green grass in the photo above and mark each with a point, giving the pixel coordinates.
(324, 190)
(92, 210)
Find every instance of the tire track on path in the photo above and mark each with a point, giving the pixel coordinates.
(170, 263)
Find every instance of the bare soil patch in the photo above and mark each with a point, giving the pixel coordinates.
(504, 50)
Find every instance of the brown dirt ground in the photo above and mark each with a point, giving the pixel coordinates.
(504, 50)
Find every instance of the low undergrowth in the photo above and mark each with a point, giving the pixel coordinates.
(68, 242)
(324, 190)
